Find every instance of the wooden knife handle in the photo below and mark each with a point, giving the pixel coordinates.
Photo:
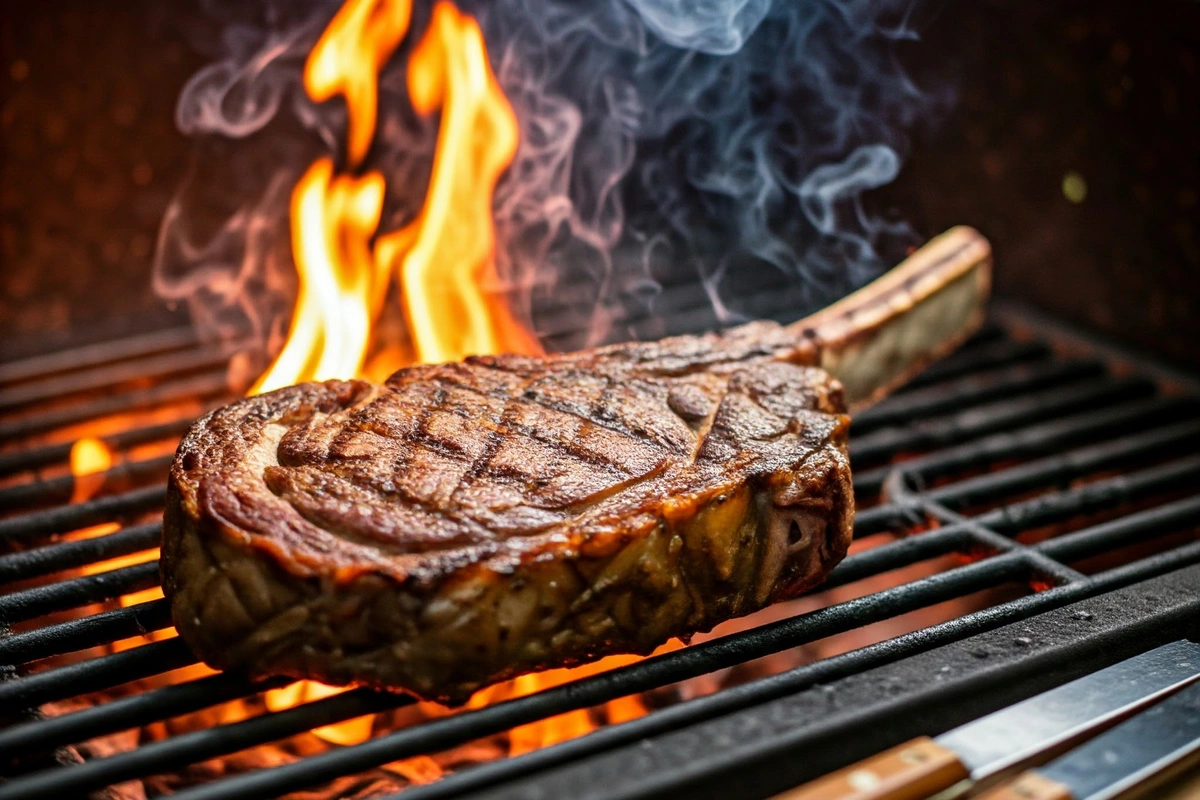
(1029, 786)
(912, 771)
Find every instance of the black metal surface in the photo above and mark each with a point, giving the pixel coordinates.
(1003, 438)
(118, 508)
(200, 387)
(36, 458)
(59, 490)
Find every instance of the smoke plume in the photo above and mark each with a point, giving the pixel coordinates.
(674, 154)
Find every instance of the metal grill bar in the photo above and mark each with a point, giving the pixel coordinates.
(458, 729)
(1126, 530)
(59, 490)
(128, 712)
(727, 701)
(1010, 566)
(93, 355)
(80, 515)
(978, 359)
(1093, 497)
(199, 388)
(973, 390)
(104, 672)
(189, 748)
(1035, 440)
(448, 732)
(997, 416)
(37, 458)
(1073, 464)
(31, 603)
(1049, 471)
(44, 560)
(56, 387)
(90, 631)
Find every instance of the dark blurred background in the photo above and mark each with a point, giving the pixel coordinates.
(1075, 146)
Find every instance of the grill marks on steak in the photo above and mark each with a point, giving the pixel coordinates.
(477, 520)
(496, 447)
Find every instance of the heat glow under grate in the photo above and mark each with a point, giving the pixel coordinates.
(1023, 475)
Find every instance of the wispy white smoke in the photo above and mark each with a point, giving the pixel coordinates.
(725, 143)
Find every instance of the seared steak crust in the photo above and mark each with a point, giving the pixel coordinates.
(465, 523)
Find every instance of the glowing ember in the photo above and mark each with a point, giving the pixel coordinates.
(572, 724)
(351, 731)
(89, 459)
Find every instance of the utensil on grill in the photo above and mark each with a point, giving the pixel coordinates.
(1013, 737)
(1145, 749)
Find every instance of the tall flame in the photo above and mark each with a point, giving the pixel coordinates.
(445, 257)
(347, 59)
(443, 260)
(341, 284)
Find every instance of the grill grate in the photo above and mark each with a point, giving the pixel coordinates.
(1025, 465)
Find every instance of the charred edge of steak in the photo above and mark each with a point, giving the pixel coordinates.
(240, 610)
(239, 606)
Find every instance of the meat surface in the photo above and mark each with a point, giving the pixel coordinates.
(465, 523)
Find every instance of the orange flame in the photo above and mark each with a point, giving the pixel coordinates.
(446, 255)
(443, 260)
(341, 287)
(347, 59)
(90, 457)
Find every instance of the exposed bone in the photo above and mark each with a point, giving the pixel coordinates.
(880, 336)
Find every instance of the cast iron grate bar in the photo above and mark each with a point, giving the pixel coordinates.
(1000, 353)
(975, 422)
(53, 558)
(47, 455)
(90, 631)
(62, 519)
(193, 389)
(93, 355)
(95, 674)
(972, 390)
(128, 712)
(204, 359)
(74, 592)
(658, 671)
(1037, 440)
(1057, 403)
(59, 490)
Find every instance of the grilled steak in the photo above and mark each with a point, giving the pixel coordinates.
(465, 523)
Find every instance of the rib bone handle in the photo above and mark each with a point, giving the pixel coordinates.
(880, 336)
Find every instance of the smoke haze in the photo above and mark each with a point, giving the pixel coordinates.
(713, 149)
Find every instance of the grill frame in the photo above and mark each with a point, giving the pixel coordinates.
(969, 440)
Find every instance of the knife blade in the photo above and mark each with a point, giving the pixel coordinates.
(1012, 737)
(1147, 747)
